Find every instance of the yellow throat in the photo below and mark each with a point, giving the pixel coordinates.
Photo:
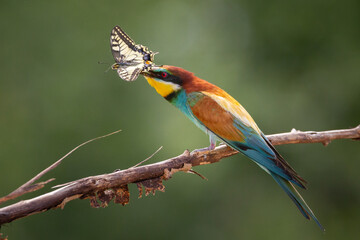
(163, 88)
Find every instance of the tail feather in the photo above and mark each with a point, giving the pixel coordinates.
(295, 196)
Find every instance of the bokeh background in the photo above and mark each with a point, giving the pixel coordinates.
(292, 64)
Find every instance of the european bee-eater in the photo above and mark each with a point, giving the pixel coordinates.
(224, 119)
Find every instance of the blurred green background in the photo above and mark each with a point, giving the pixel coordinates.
(292, 64)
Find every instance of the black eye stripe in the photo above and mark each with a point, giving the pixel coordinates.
(169, 78)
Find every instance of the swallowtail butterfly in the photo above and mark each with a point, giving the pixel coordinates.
(131, 59)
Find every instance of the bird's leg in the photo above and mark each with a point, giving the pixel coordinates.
(212, 139)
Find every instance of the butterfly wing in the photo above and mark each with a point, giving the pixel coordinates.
(131, 59)
(121, 44)
(129, 73)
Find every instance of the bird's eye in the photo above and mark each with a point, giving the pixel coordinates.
(164, 74)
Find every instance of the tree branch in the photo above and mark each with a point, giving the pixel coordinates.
(103, 188)
(30, 187)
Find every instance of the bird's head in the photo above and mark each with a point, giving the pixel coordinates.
(167, 79)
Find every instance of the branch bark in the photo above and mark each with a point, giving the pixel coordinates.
(106, 187)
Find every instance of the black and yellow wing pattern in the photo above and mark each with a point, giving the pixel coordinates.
(130, 58)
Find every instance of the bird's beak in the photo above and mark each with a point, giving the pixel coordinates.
(147, 73)
(150, 73)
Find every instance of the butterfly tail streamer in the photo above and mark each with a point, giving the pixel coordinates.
(295, 196)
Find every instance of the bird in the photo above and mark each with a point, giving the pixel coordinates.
(225, 120)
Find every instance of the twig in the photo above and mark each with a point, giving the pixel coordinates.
(30, 187)
(107, 186)
(324, 137)
(69, 183)
(138, 164)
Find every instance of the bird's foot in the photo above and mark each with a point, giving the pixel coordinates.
(206, 149)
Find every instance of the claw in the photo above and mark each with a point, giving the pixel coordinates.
(203, 149)
(212, 146)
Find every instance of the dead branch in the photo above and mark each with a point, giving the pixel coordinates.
(103, 188)
(30, 187)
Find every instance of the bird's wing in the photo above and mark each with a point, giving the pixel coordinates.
(226, 118)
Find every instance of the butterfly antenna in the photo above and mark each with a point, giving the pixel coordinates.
(107, 69)
(105, 63)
